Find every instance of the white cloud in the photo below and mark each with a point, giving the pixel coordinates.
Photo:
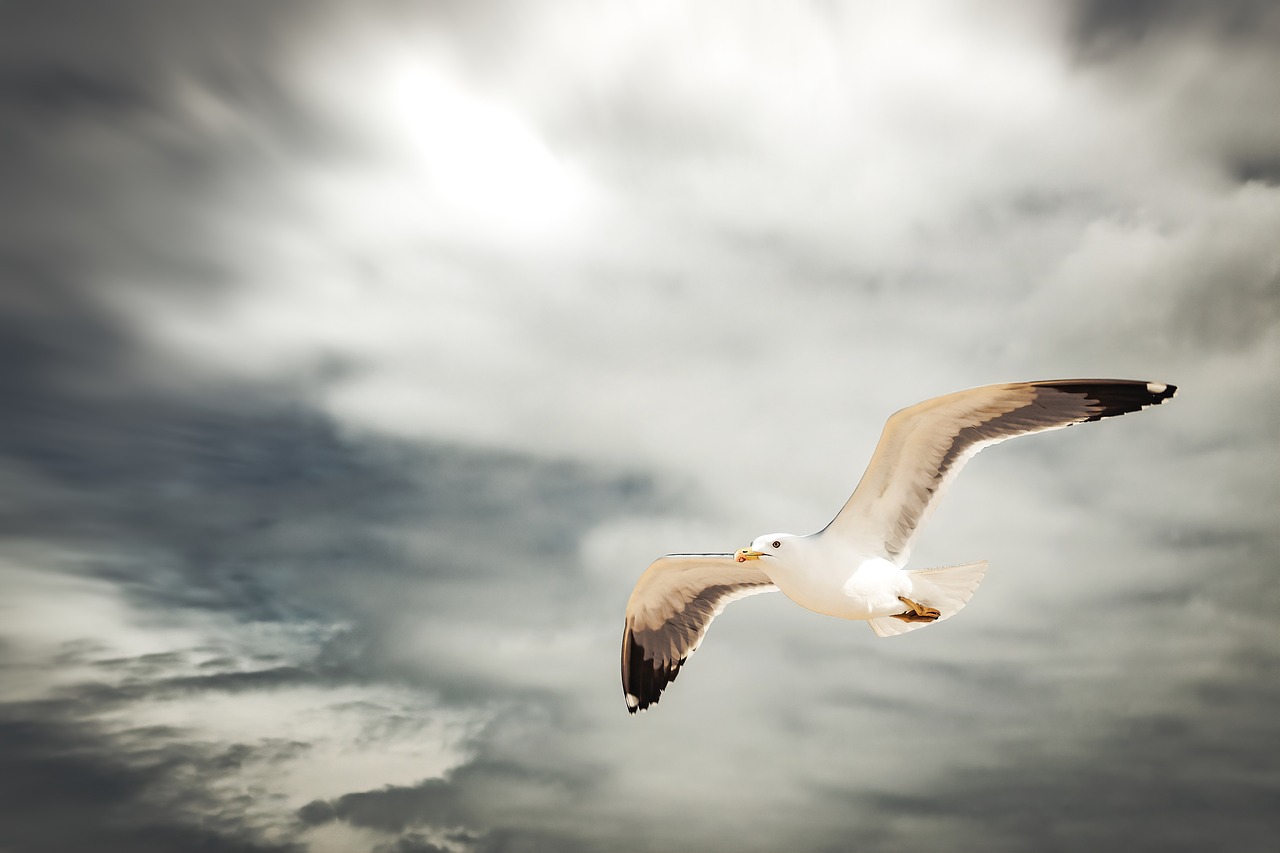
(65, 631)
(865, 167)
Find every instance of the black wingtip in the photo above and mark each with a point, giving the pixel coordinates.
(1108, 398)
(642, 681)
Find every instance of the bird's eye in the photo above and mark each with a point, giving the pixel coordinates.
(777, 544)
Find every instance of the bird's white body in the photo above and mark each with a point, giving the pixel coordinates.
(875, 588)
(826, 576)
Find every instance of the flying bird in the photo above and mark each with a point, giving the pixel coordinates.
(855, 567)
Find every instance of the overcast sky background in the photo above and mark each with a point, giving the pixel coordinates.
(355, 361)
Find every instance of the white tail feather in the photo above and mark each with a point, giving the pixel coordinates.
(948, 588)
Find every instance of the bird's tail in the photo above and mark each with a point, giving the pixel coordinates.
(946, 588)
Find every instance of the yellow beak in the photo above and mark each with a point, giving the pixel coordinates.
(745, 554)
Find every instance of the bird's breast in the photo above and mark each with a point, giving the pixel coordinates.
(873, 588)
(850, 589)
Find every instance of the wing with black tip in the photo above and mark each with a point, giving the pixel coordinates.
(668, 615)
(923, 448)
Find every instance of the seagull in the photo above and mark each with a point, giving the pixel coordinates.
(855, 567)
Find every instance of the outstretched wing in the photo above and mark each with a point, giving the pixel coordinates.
(923, 447)
(669, 613)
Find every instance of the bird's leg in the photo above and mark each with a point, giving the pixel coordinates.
(918, 612)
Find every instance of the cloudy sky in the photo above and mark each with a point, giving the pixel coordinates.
(355, 361)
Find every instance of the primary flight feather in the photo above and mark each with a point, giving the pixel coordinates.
(854, 568)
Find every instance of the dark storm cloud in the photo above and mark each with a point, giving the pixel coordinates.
(233, 499)
(219, 485)
(61, 91)
(1115, 24)
(120, 129)
(1264, 168)
(241, 504)
(1184, 780)
(499, 799)
(236, 499)
(122, 67)
(226, 477)
(410, 843)
(69, 786)
(1154, 46)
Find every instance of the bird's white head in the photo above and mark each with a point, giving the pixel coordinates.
(771, 546)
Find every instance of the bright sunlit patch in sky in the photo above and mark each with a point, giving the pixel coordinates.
(483, 160)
